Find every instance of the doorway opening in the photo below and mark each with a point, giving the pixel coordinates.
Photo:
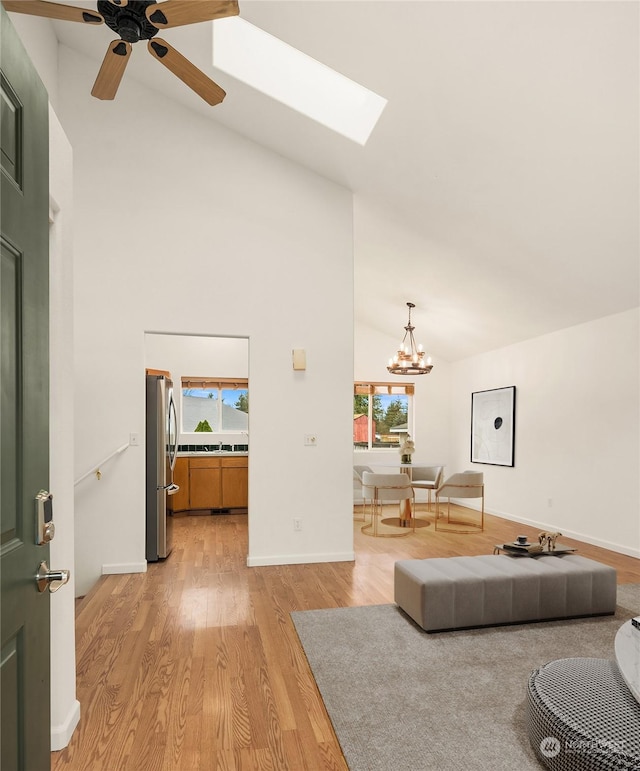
(210, 375)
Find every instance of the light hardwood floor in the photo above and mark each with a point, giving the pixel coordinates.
(196, 666)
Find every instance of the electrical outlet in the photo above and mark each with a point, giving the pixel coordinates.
(549, 502)
(134, 439)
(297, 524)
(310, 440)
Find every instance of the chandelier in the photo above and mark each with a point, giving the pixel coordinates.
(410, 360)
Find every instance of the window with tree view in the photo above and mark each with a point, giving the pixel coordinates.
(382, 414)
(219, 405)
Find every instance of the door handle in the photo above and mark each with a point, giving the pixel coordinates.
(46, 577)
(173, 448)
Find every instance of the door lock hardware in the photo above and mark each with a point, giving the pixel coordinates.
(54, 579)
(45, 529)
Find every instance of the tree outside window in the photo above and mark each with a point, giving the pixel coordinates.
(382, 414)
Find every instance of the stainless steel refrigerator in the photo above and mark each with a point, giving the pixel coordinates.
(161, 452)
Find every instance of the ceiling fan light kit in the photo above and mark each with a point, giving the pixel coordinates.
(135, 20)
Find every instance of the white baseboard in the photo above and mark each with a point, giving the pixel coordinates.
(61, 734)
(603, 544)
(124, 567)
(299, 559)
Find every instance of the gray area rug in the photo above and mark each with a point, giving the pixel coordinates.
(401, 699)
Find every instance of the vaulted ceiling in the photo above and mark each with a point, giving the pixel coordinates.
(499, 190)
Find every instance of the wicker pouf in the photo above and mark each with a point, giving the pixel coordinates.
(582, 717)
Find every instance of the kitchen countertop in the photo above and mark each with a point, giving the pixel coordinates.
(212, 453)
(202, 449)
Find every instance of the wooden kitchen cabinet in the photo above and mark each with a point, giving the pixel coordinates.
(205, 489)
(235, 482)
(211, 482)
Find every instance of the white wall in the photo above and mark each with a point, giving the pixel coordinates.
(198, 356)
(39, 39)
(65, 709)
(181, 226)
(577, 440)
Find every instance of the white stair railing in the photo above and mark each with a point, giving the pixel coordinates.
(96, 469)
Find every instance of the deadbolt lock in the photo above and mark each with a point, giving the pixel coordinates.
(45, 529)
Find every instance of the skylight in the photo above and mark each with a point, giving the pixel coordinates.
(282, 72)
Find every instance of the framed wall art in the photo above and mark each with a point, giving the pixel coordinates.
(493, 426)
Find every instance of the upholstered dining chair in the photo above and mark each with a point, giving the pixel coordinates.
(358, 471)
(426, 478)
(378, 489)
(466, 484)
(358, 496)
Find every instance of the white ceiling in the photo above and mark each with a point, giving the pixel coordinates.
(499, 191)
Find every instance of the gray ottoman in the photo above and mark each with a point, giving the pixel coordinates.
(458, 592)
(582, 717)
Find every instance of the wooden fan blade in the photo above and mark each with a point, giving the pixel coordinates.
(112, 70)
(53, 11)
(174, 13)
(186, 71)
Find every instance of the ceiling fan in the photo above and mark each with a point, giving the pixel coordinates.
(135, 20)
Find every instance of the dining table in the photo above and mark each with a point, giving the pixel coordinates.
(407, 468)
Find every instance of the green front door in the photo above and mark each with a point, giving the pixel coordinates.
(24, 407)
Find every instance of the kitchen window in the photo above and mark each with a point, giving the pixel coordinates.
(382, 414)
(215, 404)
